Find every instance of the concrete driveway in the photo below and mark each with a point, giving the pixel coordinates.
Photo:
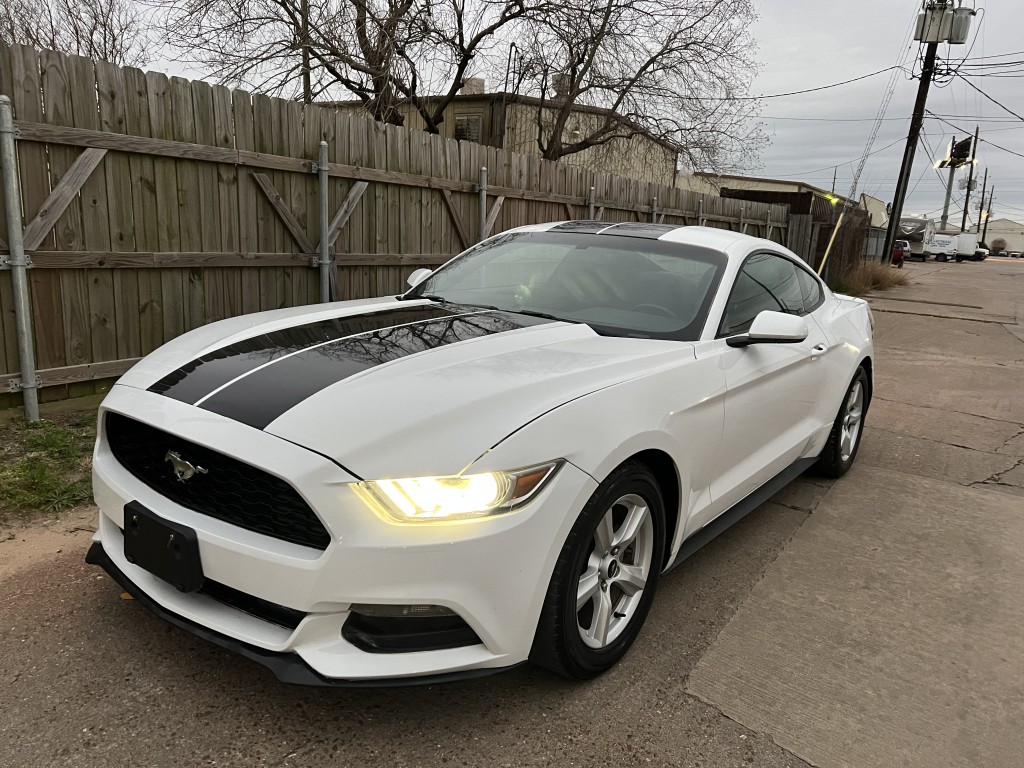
(874, 621)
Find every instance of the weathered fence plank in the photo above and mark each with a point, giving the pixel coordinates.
(198, 203)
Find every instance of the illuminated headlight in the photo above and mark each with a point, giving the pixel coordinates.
(456, 497)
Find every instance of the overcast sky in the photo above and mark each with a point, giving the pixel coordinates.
(807, 43)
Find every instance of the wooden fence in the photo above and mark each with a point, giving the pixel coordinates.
(153, 205)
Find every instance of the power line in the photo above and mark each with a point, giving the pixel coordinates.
(832, 119)
(986, 141)
(995, 56)
(994, 101)
(791, 93)
(837, 165)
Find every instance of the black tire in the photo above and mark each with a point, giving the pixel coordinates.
(831, 462)
(558, 645)
(900, 265)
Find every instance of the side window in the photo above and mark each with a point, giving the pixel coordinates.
(811, 289)
(765, 281)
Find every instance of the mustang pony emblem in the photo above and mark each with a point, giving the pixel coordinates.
(183, 469)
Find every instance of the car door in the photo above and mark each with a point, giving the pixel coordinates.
(773, 400)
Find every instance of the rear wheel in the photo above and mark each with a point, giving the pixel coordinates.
(605, 577)
(844, 439)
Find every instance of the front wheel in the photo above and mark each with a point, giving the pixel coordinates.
(605, 577)
(844, 439)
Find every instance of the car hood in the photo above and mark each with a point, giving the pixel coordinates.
(391, 390)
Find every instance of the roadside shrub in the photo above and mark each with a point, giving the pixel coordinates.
(871, 276)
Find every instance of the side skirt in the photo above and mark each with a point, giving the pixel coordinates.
(733, 515)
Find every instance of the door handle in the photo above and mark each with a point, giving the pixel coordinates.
(819, 349)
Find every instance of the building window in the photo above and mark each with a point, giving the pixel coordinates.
(468, 127)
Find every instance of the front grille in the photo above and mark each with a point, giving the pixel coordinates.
(229, 490)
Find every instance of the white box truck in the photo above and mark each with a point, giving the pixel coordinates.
(942, 246)
(953, 245)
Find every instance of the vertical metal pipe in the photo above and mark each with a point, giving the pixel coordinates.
(325, 247)
(17, 262)
(654, 210)
(590, 205)
(483, 201)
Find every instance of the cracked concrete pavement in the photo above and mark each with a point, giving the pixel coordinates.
(89, 679)
(890, 630)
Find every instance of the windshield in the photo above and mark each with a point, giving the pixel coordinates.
(627, 286)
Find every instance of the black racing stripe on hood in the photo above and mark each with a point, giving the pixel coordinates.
(199, 378)
(263, 396)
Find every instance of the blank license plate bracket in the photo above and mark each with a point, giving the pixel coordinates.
(170, 551)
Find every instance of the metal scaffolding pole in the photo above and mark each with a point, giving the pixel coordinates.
(324, 259)
(29, 383)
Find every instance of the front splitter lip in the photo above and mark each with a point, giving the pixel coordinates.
(287, 667)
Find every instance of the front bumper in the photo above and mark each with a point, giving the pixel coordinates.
(493, 572)
(287, 667)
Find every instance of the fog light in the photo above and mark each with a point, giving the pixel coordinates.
(406, 628)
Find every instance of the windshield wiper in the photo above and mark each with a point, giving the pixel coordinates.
(545, 315)
(427, 296)
(530, 312)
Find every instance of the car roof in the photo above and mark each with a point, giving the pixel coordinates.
(723, 240)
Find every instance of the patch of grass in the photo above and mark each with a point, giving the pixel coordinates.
(45, 467)
(872, 276)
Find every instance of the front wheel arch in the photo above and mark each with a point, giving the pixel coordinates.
(667, 474)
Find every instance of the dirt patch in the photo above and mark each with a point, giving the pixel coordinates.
(23, 545)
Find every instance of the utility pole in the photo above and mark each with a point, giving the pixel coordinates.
(988, 213)
(949, 192)
(981, 205)
(938, 23)
(970, 180)
(908, 154)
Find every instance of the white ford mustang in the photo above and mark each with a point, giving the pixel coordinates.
(495, 467)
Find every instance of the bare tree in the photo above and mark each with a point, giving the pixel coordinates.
(109, 30)
(381, 52)
(668, 70)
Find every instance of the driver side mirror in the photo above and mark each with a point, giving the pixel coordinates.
(772, 328)
(419, 276)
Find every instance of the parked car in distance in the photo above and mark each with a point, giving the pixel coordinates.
(900, 252)
(496, 466)
(1014, 254)
(980, 254)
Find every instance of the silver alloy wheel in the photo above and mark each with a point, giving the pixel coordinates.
(612, 583)
(853, 417)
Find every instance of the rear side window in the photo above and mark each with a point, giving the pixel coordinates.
(811, 289)
(766, 281)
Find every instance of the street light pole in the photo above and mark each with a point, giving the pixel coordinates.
(949, 194)
(908, 154)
